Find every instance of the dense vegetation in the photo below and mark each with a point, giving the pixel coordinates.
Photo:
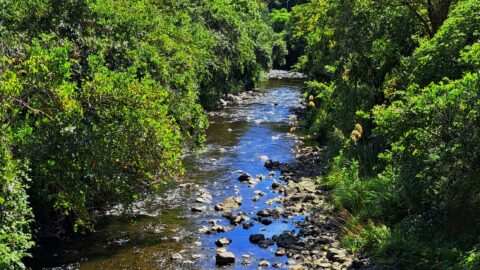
(395, 89)
(98, 99)
(289, 49)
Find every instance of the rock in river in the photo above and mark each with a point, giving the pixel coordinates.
(198, 209)
(247, 225)
(266, 243)
(245, 177)
(280, 252)
(177, 257)
(256, 238)
(264, 213)
(270, 164)
(264, 264)
(223, 242)
(266, 221)
(230, 203)
(224, 257)
(204, 198)
(286, 240)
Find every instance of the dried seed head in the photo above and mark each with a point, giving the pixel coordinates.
(359, 128)
(311, 104)
(357, 134)
(310, 98)
(338, 133)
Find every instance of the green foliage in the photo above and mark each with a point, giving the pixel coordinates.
(243, 47)
(318, 118)
(15, 212)
(434, 149)
(280, 19)
(366, 198)
(99, 99)
(440, 56)
(407, 72)
(472, 259)
(287, 4)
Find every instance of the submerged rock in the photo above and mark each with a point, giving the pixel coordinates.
(259, 193)
(266, 221)
(277, 265)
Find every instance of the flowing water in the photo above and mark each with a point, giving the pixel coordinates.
(239, 138)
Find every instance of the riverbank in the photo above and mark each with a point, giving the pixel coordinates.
(317, 244)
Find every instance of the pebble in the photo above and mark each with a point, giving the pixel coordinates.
(199, 209)
(223, 242)
(264, 263)
(177, 257)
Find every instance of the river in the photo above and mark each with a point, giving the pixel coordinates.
(239, 138)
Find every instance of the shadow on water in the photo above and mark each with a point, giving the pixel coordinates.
(239, 138)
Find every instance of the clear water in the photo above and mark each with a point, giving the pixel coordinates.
(162, 225)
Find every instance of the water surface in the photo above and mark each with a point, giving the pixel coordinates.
(239, 139)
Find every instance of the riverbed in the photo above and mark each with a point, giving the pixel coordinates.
(241, 137)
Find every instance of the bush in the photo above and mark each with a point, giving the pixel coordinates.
(15, 212)
(435, 152)
(440, 56)
(407, 181)
(99, 99)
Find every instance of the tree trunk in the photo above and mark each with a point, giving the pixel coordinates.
(438, 13)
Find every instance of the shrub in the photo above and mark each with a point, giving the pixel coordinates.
(15, 212)
(99, 99)
(434, 149)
